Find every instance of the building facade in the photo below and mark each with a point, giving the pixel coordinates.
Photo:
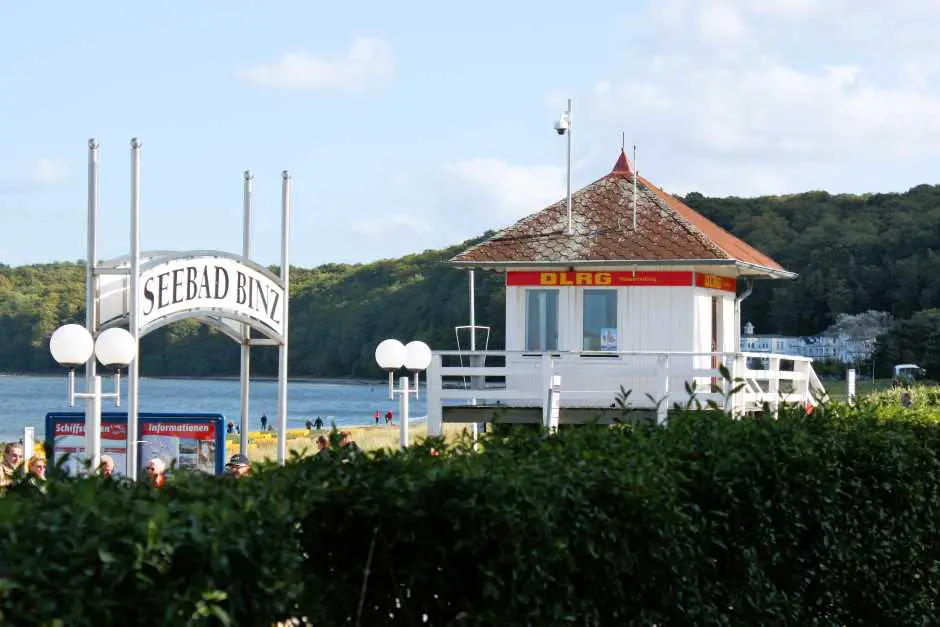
(840, 348)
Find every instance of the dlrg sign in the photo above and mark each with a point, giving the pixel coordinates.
(621, 279)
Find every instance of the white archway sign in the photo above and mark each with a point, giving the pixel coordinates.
(229, 292)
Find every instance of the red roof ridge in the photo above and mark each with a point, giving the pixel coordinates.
(623, 165)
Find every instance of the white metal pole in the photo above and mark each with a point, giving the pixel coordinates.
(474, 430)
(570, 133)
(473, 317)
(246, 330)
(133, 370)
(29, 443)
(91, 300)
(850, 378)
(403, 411)
(635, 173)
(282, 351)
(93, 435)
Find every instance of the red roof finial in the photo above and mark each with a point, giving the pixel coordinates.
(623, 164)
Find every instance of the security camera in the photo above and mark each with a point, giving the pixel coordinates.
(561, 126)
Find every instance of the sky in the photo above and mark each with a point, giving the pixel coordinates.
(415, 125)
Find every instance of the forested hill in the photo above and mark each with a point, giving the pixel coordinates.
(853, 253)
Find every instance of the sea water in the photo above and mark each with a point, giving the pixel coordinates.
(25, 400)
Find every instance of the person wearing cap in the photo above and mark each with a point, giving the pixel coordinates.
(238, 466)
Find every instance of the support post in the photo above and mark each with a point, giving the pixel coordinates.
(474, 360)
(245, 375)
(662, 376)
(403, 410)
(554, 404)
(282, 350)
(91, 300)
(93, 435)
(133, 369)
(850, 384)
(546, 380)
(568, 177)
(29, 443)
(435, 411)
(774, 385)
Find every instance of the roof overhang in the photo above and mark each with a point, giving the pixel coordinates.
(741, 268)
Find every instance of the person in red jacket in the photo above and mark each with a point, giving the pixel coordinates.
(156, 470)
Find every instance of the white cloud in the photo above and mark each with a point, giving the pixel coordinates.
(47, 172)
(385, 227)
(37, 175)
(368, 63)
(499, 193)
(767, 108)
(720, 22)
(783, 8)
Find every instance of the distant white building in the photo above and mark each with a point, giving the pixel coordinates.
(839, 348)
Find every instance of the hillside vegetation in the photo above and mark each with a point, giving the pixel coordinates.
(853, 253)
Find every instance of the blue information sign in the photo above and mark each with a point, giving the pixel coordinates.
(191, 441)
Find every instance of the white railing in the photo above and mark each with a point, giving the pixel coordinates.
(592, 380)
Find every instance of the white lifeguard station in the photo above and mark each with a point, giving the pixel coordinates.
(632, 289)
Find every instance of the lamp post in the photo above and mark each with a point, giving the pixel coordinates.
(392, 355)
(72, 345)
(564, 127)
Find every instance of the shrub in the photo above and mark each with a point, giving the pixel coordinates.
(822, 519)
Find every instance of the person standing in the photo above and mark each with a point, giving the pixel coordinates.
(318, 423)
(12, 460)
(323, 448)
(156, 471)
(264, 422)
(106, 467)
(238, 466)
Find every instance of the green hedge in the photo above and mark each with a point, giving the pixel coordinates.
(824, 519)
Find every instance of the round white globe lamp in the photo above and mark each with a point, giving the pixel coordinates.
(115, 347)
(71, 345)
(390, 354)
(417, 356)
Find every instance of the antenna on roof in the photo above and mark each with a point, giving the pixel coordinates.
(634, 187)
(623, 141)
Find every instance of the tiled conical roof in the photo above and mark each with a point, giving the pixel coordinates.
(602, 230)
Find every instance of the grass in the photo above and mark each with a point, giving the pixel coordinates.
(838, 390)
(263, 445)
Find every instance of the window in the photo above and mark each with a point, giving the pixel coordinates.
(541, 320)
(600, 321)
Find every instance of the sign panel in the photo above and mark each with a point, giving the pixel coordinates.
(716, 282)
(180, 443)
(189, 283)
(69, 437)
(599, 279)
(190, 441)
(619, 279)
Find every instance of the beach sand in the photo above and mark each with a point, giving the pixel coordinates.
(262, 445)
